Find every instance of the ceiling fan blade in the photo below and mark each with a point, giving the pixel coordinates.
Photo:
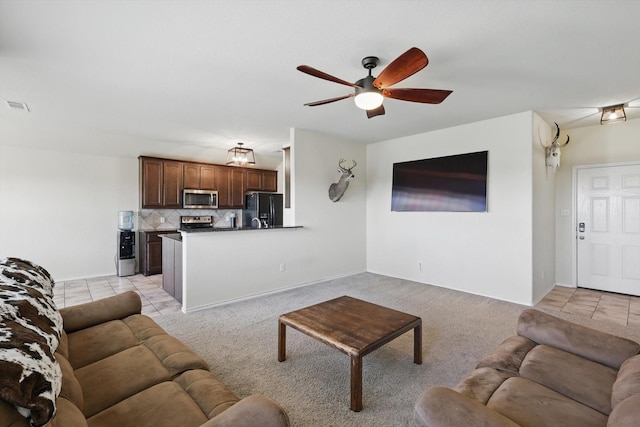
(426, 96)
(322, 75)
(375, 112)
(327, 101)
(402, 67)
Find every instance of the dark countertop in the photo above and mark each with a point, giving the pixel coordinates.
(173, 236)
(218, 229)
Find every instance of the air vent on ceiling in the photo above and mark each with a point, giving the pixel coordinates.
(17, 105)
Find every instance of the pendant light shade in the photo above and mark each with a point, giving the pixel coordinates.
(368, 97)
(240, 156)
(613, 114)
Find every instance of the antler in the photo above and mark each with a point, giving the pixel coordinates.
(343, 169)
(554, 143)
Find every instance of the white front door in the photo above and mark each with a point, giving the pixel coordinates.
(608, 228)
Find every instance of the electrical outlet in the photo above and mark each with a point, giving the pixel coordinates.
(283, 267)
(161, 220)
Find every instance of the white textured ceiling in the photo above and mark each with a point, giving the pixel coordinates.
(127, 77)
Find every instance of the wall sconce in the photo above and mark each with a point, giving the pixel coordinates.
(240, 156)
(613, 114)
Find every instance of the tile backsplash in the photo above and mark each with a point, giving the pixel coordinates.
(169, 219)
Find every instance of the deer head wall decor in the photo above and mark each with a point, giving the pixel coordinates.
(337, 189)
(552, 151)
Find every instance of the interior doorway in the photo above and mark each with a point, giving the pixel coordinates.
(608, 228)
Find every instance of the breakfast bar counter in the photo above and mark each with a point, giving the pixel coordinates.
(221, 265)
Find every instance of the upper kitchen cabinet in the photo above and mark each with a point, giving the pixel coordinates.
(200, 176)
(230, 187)
(162, 183)
(262, 180)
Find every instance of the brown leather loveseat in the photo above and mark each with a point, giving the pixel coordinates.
(553, 373)
(118, 367)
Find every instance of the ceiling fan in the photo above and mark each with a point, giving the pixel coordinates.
(370, 91)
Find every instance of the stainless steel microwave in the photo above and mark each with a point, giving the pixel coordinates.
(199, 199)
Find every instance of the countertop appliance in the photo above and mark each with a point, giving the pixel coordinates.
(196, 222)
(263, 210)
(126, 258)
(199, 199)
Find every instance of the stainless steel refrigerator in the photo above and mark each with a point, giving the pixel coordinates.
(263, 210)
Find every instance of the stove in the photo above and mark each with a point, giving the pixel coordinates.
(196, 222)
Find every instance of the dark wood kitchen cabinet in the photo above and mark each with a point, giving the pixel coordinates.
(230, 187)
(200, 176)
(262, 180)
(150, 252)
(161, 182)
(172, 266)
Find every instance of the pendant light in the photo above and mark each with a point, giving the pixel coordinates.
(613, 114)
(240, 156)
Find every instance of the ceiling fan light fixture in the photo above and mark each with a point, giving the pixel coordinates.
(368, 97)
(240, 156)
(368, 100)
(613, 114)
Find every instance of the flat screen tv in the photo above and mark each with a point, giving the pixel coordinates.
(453, 184)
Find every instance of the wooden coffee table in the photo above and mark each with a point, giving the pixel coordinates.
(354, 327)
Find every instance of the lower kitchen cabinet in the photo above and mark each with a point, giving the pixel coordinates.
(172, 265)
(151, 252)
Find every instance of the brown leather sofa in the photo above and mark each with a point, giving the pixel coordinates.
(553, 373)
(120, 369)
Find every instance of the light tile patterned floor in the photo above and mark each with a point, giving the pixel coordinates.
(155, 301)
(598, 305)
(622, 309)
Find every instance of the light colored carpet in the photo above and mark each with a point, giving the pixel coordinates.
(239, 341)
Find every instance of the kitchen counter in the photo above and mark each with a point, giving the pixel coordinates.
(218, 229)
(173, 236)
(220, 266)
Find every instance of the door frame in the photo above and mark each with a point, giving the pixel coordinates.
(574, 207)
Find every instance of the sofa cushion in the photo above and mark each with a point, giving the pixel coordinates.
(509, 355)
(589, 343)
(481, 384)
(530, 404)
(93, 313)
(174, 355)
(117, 377)
(68, 415)
(577, 378)
(207, 391)
(164, 404)
(143, 327)
(89, 345)
(626, 413)
(71, 389)
(628, 381)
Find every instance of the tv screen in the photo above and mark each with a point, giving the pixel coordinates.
(452, 183)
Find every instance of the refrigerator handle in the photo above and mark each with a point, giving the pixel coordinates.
(272, 211)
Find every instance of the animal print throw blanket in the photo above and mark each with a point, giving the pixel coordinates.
(30, 329)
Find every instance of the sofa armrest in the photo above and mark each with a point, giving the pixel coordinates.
(589, 343)
(443, 407)
(252, 411)
(94, 313)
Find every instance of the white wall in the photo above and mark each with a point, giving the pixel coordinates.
(482, 253)
(60, 210)
(589, 145)
(225, 266)
(543, 279)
